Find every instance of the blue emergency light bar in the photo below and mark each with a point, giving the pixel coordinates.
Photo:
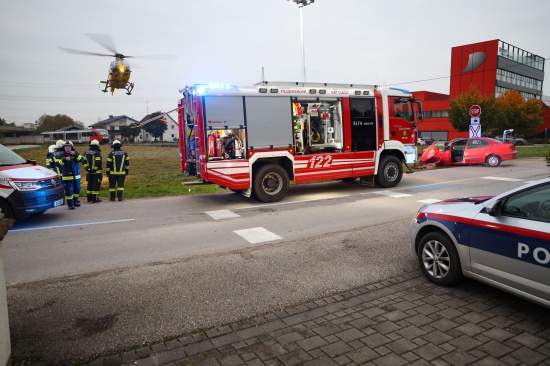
(201, 89)
(402, 90)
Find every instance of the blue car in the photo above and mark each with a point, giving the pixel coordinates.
(503, 241)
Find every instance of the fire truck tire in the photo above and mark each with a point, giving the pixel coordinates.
(390, 172)
(6, 211)
(270, 183)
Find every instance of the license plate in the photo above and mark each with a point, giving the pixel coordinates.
(58, 203)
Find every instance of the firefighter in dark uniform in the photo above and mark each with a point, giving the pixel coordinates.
(68, 162)
(94, 167)
(118, 164)
(58, 154)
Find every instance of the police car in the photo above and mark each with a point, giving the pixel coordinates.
(503, 241)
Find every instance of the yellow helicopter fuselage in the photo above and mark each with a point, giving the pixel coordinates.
(119, 76)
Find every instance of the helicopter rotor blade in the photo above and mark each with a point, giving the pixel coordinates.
(104, 40)
(79, 52)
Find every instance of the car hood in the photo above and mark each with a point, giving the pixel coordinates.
(455, 205)
(26, 171)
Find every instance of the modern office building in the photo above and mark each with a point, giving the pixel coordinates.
(493, 67)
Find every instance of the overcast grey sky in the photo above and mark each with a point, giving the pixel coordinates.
(400, 43)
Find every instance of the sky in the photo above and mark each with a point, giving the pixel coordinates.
(405, 44)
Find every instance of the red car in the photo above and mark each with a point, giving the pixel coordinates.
(464, 151)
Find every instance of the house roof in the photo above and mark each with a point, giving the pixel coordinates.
(112, 119)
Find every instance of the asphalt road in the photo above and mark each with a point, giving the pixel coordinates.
(112, 276)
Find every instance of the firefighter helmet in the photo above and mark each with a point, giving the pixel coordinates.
(115, 143)
(59, 143)
(68, 142)
(94, 143)
(51, 148)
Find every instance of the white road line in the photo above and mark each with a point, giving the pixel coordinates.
(257, 235)
(503, 178)
(429, 200)
(222, 214)
(393, 194)
(71, 225)
(290, 202)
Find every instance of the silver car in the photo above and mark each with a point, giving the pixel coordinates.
(503, 241)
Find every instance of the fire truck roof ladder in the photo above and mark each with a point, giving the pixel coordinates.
(316, 85)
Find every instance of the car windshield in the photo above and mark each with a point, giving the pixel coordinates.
(8, 157)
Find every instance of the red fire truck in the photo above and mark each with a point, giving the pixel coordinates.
(256, 139)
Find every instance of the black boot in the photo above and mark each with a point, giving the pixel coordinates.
(96, 198)
(89, 197)
(112, 196)
(119, 195)
(76, 203)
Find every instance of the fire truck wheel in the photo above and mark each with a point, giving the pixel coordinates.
(390, 172)
(270, 183)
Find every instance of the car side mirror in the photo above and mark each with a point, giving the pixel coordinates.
(495, 209)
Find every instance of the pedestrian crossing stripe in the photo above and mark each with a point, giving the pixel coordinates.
(393, 194)
(222, 214)
(503, 178)
(257, 235)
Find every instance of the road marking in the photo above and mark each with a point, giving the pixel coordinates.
(71, 225)
(503, 178)
(429, 201)
(222, 214)
(257, 235)
(393, 194)
(290, 202)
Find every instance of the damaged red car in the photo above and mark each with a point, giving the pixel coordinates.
(464, 151)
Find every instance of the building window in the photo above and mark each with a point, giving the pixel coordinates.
(499, 90)
(517, 54)
(520, 80)
(434, 135)
(435, 114)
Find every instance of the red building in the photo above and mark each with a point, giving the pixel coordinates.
(493, 67)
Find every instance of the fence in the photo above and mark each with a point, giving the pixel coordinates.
(23, 140)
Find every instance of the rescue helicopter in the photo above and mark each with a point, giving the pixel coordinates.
(119, 69)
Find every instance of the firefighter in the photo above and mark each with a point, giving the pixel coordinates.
(94, 166)
(50, 163)
(118, 164)
(68, 162)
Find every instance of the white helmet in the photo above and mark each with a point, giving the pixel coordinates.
(60, 143)
(94, 142)
(51, 148)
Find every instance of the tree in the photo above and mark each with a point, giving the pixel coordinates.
(53, 123)
(523, 116)
(4, 123)
(459, 112)
(157, 127)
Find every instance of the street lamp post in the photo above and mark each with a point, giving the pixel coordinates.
(301, 4)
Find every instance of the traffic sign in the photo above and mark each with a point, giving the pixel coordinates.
(475, 110)
(474, 121)
(475, 131)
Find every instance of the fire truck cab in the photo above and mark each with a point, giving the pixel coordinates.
(256, 139)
